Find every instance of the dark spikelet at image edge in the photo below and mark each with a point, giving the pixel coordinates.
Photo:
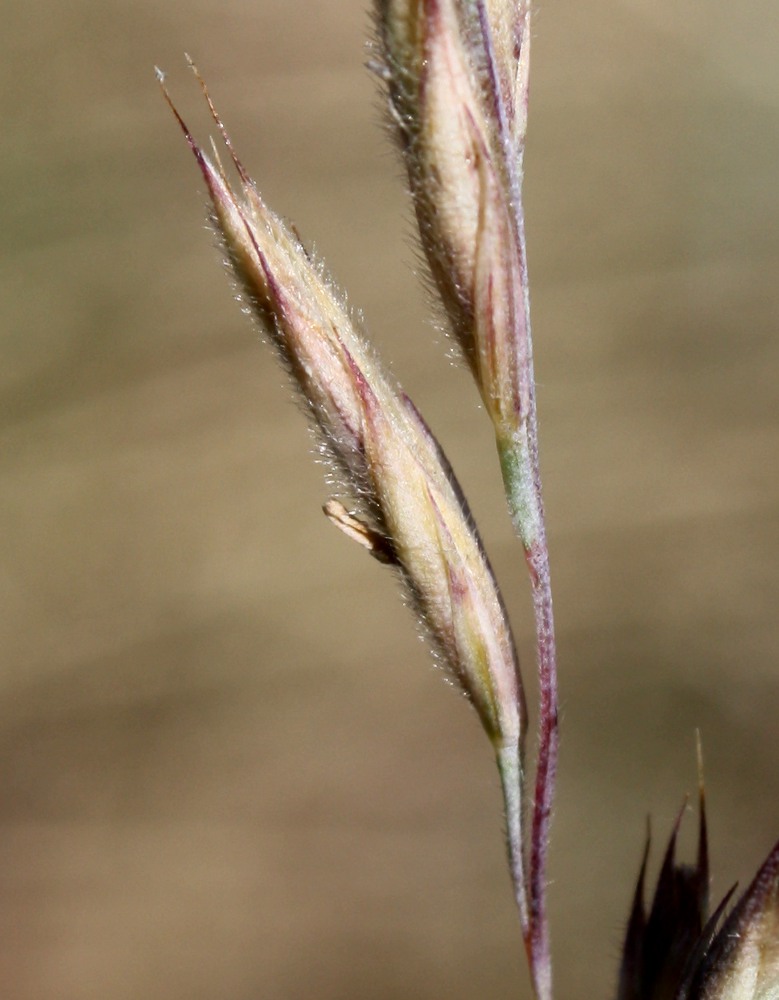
(678, 951)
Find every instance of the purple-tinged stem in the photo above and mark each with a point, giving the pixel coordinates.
(519, 460)
(518, 451)
(546, 769)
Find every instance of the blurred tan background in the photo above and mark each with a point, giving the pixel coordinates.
(228, 770)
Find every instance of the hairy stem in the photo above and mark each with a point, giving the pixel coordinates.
(522, 480)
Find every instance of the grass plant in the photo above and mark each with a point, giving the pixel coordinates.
(454, 74)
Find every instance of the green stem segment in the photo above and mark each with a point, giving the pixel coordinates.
(519, 463)
(510, 766)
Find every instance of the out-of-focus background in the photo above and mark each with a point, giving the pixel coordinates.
(228, 770)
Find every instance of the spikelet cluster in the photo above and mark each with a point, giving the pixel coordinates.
(456, 78)
(411, 511)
